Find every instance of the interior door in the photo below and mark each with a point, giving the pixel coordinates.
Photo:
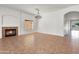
(28, 25)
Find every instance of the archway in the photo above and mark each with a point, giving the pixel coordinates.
(71, 24)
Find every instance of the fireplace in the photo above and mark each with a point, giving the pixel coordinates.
(9, 31)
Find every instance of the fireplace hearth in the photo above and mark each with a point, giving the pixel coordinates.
(9, 31)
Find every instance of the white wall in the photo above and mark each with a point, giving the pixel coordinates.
(53, 23)
(9, 20)
(12, 17)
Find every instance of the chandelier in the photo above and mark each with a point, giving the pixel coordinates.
(37, 15)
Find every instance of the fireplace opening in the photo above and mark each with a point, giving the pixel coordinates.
(10, 32)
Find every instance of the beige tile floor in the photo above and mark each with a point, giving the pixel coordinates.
(38, 43)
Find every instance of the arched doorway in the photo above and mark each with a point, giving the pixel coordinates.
(71, 23)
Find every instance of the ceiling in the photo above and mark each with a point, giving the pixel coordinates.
(44, 8)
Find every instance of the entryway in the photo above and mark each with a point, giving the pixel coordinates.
(71, 24)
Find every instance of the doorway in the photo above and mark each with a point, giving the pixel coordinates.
(71, 24)
(74, 29)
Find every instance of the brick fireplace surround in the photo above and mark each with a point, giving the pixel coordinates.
(10, 31)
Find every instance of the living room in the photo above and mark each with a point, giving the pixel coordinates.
(39, 28)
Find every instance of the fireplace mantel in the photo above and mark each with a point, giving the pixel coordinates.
(9, 26)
